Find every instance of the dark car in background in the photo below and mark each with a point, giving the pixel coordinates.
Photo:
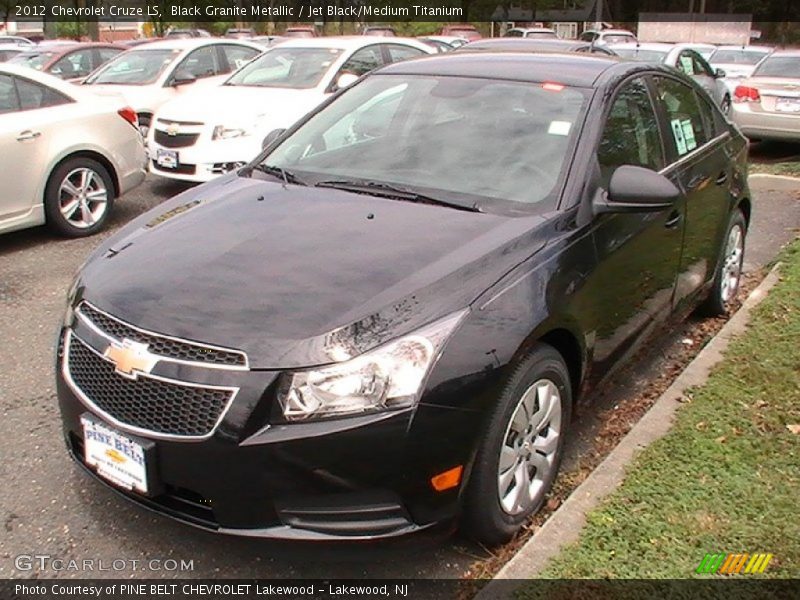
(372, 328)
(67, 59)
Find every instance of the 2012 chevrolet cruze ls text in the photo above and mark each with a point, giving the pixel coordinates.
(387, 319)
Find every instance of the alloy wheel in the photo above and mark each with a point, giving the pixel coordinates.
(527, 456)
(83, 197)
(732, 265)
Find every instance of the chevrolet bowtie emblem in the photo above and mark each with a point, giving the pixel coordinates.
(172, 129)
(130, 358)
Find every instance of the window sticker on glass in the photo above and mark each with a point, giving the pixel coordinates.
(686, 65)
(688, 134)
(677, 132)
(559, 128)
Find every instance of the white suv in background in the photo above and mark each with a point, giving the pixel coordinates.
(202, 135)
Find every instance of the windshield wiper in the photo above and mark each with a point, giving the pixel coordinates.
(285, 176)
(387, 190)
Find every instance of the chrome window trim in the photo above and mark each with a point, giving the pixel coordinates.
(65, 371)
(206, 365)
(691, 155)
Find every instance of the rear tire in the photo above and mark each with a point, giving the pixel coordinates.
(728, 275)
(520, 452)
(78, 197)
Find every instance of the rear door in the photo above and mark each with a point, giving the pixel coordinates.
(638, 253)
(698, 160)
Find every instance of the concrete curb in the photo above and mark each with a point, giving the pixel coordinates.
(566, 523)
(771, 176)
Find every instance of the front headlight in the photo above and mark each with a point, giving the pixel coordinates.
(387, 378)
(225, 133)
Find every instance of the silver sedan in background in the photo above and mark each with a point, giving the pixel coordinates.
(67, 154)
(687, 59)
(767, 104)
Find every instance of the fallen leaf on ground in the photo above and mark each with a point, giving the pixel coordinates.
(794, 428)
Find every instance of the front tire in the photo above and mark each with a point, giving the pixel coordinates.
(78, 197)
(521, 450)
(728, 275)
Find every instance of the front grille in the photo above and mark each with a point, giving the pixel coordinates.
(159, 344)
(179, 140)
(145, 403)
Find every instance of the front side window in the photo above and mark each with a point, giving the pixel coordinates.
(631, 135)
(294, 68)
(73, 65)
(470, 140)
(134, 67)
(363, 61)
(684, 114)
(201, 63)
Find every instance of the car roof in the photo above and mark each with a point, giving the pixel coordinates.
(512, 44)
(542, 29)
(746, 48)
(569, 69)
(345, 42)
(785, 53)
(653, 46)
(190, 43)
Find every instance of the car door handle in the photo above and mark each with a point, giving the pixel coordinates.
(722, 178)
(28, 135)
(674, 219)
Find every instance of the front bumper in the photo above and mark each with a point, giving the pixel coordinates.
(360, 478)
(205, 159)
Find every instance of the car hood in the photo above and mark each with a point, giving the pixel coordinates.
(287, 273)
(265, 107)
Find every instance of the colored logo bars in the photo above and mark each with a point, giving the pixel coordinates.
(729, 564)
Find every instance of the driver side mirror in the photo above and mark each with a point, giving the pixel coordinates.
(635, 190)
(182, 78)
(719, 74)
(271, 137)
(345, 80)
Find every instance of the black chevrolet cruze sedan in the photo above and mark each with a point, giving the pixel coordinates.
(387, 319)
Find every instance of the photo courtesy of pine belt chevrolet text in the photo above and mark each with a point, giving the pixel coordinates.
(387, 319)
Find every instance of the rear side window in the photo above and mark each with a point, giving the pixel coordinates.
(8, 95)
(686, 119)
(33, 95)
(631, 134)
(398, 52)
(238, 56)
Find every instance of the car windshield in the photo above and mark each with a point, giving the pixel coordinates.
(737, 57)
(295, 68)
(466, 141)
(34, 60)
(135, 67)
(779, 66)
(641, 55)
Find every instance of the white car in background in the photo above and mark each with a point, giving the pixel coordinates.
(150, 75)
(686, 59)
(608, 36)
(202, 135)
(67, 154)
(738, 62)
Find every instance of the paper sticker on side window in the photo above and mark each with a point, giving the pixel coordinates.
(686, 65)
(677, 132)
(559, 128)
(688, 134)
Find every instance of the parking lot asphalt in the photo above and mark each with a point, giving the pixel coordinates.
(48, 507)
